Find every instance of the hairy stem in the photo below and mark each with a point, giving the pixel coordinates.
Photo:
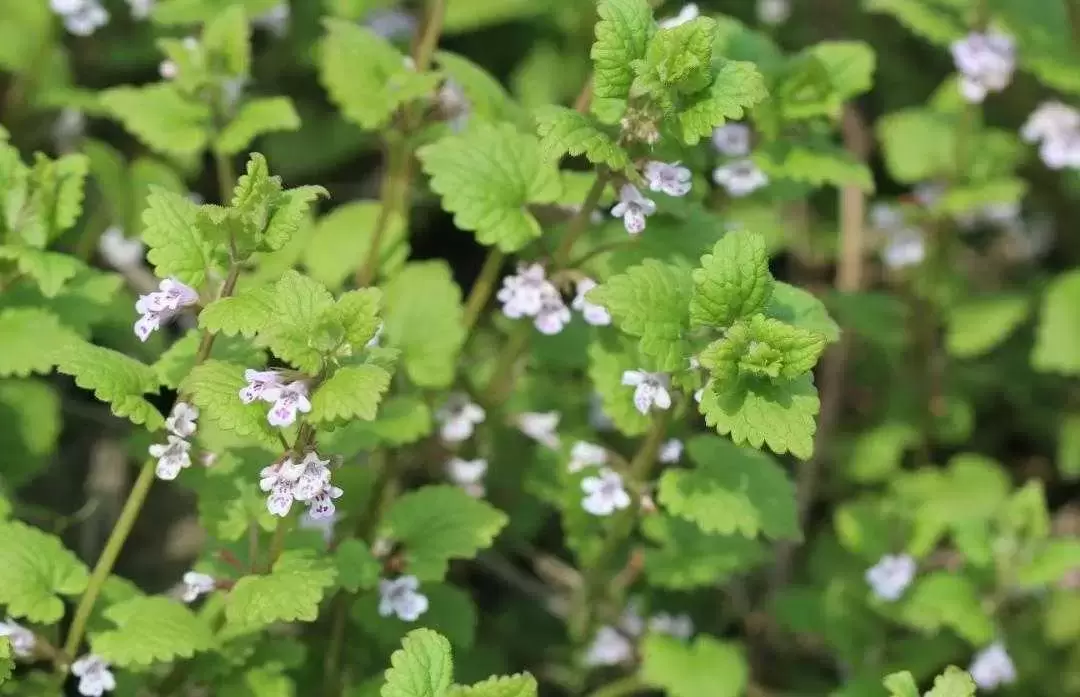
(483, 287)
(226, 176)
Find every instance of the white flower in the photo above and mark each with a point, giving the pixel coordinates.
(291, 398)
(1049, 121)
(172, 457)
(732, 139)
(401, 597)
(140, 9)
(196, 584)
(584, 454)
(22, 639)
(540, 426)
(904, 247)
(773, 11)
(596, 315)
(313, 478)
(553, 314)
(670, 451)
(633, 208)
(118, 251)
(678, 626)
(891, 576)
(81, 17)
(992, 667)
(95, 678)
(321, 505)
(181, 420)
(671, 179)
(522, 294)
(162, 305)
(740, 178)
(168, 69)
(278, 480)
(604, 494)
(263, 385)
(468, 474)
(458, 417)
(609, 648)
(688, 12)
(650, 389)
(1062, 152)
(275, 20)
(985, 62)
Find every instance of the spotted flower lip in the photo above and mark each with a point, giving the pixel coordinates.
(650, 390)
(633, 208)
(542, 427)
(732, 139)
(291, 399)
(605, 494)
(740, 177)
(162, 305)
(307, 480)
(671, 179)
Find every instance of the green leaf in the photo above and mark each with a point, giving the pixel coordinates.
(119, 380)
(245, 313)
(25, 337)
(256, 117)
(732, 489)
(850, 66)
(780, 416)
(978, 325)
(678, 60)
(918, 145)
(901, 685)
(226, 38)
(342, 240)
(30, 410)
(687, 557)
(35, 568)
(738, 86)
(565, 131)
(487, 98)
(733, 281)
(706, 667)
(358, 312)
(50, 270)
(651, 301)
(486, 177)
(352, 392)
(357, 567)
(178, 360)
(401, 420)
(762, 348)
(440, 523)
(520, 685)
(151, 630)
(160, 117)
(301, 305)
(290, 592)
(817, 164)
(1050, 563)
(366, 76)
(1068, 451)
(953, 683)
(214, 387)
(7, 660)
(799, 308)
(423, 318)
(878, 452)
(622, 36)
(176, 246)
(942, 599)
(55, 200)
(1058, 333)
(422, 667)
(606, 368)
(934, 21)
(451, 612)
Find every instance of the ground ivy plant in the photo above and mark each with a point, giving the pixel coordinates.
(660, 351)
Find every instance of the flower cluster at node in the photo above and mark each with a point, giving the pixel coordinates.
(1055, 127)
(195, 585)
(891, 576)
(80, 17)
(528, 293)
(175, 453)
(633, 208)
(985, 62)
(458, 418)
(95, 678)
(650, 390)
(288, 399)
(613, 645)
(671, 179)
(307, 481)
(605, 493)
(401, 597)
(468, 474)
(992, 667)
(542, 427)
(584, 454)
(22, 639)
(162, 305)
(740, 177)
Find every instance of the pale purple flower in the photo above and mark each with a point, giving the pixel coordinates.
(391, 23)
(468, 474)
(986, 63)
(553, 314)
(160, 306)
(584, 454)
(401, 597)
(904, 247)
(670, 451)
(605, 494)
(278, 480)
(886, 217)
(522, 294)
(633, 208)
(458, 418)
(679, 626)
(992, 667)
(195, 585)
(262, 385)
(609, 648)
(740, 177)
(596, 315)
(313, 478)
(95, 678)
(650, 389)
(118, 251)
(172, 457)
(688, 12)
(80, 17)
(732, 139)
(181, 421)
(540, 426)
(891, 576)
(291, 399)
(140, 9)
(22, 639)
(321, 505)
(1061, 153)
(671, 179)
(1050, 120)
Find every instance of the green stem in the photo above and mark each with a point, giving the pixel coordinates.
(277, 544)
(580, 222)
(484, 285)
(226, 176)
(623, 686)
(108, 557)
